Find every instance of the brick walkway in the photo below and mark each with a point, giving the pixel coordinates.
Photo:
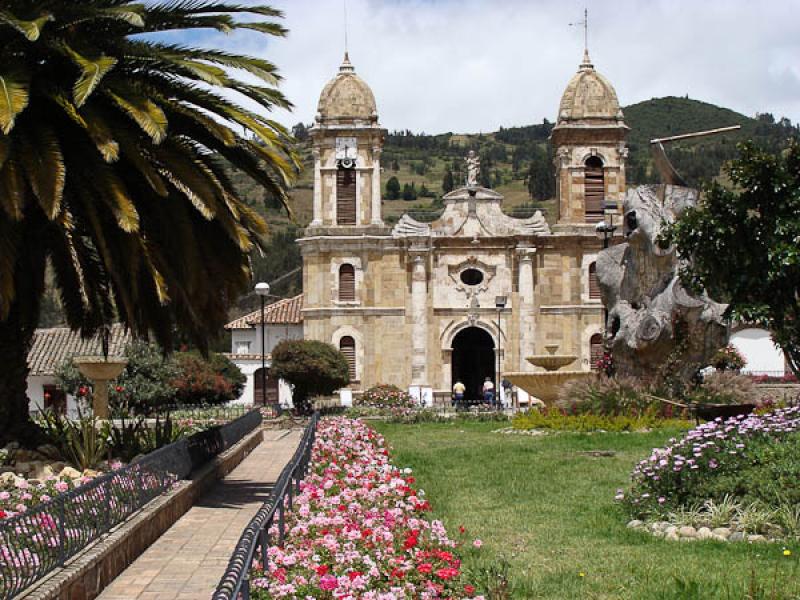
(187, 562)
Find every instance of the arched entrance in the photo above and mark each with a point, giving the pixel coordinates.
(473, 361)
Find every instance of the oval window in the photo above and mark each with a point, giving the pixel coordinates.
(471, 276)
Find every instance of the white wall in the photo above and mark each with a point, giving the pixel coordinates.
(274, 334)
(248, 368)
(36, 385)
(758, 349)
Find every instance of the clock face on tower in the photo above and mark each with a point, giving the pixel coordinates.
(346, 148)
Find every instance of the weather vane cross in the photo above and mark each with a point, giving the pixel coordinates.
(585, 24)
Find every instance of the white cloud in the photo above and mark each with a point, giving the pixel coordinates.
(473, 65)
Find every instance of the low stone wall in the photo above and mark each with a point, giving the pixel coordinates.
(88, 573)
(782, 392)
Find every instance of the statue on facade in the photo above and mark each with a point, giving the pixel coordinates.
(653, 320)
(473, 168)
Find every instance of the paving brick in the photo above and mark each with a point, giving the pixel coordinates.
(190, 558)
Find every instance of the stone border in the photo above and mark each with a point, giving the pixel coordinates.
(687, 533)
(86, 575)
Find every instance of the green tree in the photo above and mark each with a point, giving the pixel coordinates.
(447, 182)
(409, 192)
(541, 183)
(112, 155)
(741, 244)
(392, 188)
(313, 369)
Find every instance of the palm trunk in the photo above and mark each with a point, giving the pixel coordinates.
(15, 342)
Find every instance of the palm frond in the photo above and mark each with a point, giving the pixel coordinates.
(30, 29)
(146, 113)
(12, 190)
(14, 95)
(92, 72)
(44, 168)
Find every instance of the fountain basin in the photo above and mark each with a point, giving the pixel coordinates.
(100, 370)
(545, 386)
(551, 362)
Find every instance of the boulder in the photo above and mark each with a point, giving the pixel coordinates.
(722, 531)
(69, 473)
(635, 524)
(736, 536)
(8, 479)
(756, 539)
(90, 473)
(41, 470)
(687, 532)
(672, 536)
(704, 533)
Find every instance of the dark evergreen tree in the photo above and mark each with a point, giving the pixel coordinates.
(392, 188)
(447, 182)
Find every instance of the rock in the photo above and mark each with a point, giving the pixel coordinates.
(736, 536)
(687, 532)
(644, 313)
(48, 450)
(704, 533)
(23, 467)
(57, 467)
(41, 470)
(672, 536)
(756, 539)
(722, 531)
(8, 479)
(687, 539)
(658, 533)
(90, 473)
(635, 524)
(70, 473)
(718, 538)
(671, 529)
(661, 525)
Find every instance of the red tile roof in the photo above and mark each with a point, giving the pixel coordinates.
(282, 312)
(52, 347)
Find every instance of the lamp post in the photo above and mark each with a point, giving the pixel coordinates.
(262, 289)
(500, 304)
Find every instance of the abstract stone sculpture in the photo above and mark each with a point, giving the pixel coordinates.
(645, 299)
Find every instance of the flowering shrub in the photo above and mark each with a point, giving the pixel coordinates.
(358, 529)
(612, 396)
(386, 396)
(728, 359)
(752, 459)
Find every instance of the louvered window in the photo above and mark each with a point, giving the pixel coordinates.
(594, 190)
(348, 347)
(595, 350)
(594, 286)
(345, 196)
(347, 283)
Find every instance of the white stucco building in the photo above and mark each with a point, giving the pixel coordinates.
(51, 348)
(283, 320)
(763, 356)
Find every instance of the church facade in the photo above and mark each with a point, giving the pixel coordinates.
(475, 292)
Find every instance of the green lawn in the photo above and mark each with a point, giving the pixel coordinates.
(549, 512)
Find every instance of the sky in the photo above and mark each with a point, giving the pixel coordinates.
(475, 65)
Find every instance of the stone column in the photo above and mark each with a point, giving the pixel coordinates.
(526, 316)
(317, 216)
(376, 186)
(419, 314)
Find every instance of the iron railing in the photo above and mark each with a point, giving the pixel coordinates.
(255, 540)
(41, 539)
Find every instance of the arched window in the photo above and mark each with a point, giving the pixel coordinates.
(347, 283)
(345, 196)
(594, 286)
(348, 347)
(595, 350)
(593, 189)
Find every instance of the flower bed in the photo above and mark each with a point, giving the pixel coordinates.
(358, 529)
(747, 463)
(386, 396)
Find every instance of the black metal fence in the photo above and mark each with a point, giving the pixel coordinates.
(255, 541)
(35, 542)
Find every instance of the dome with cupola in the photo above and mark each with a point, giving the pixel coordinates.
(589, 97)
(347, 97)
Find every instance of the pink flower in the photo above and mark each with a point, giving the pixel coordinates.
(477, 543)
(328, 582)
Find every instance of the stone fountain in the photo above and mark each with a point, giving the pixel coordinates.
(544, 385)
(100, 370)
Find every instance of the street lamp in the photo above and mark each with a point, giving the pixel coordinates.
(262, 289)
(606, 228)
(500, 304)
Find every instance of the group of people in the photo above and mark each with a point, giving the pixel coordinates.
(488, 391)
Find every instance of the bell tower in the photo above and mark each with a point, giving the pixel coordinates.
(346, 144)
(589, 148)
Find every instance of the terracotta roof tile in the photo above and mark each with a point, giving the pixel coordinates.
(282, 312)
(51, 347)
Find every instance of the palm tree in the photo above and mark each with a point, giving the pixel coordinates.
(114, 159)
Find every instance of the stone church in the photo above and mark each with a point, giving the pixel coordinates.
(476, 291)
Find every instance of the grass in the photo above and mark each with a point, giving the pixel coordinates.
(548, 511)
